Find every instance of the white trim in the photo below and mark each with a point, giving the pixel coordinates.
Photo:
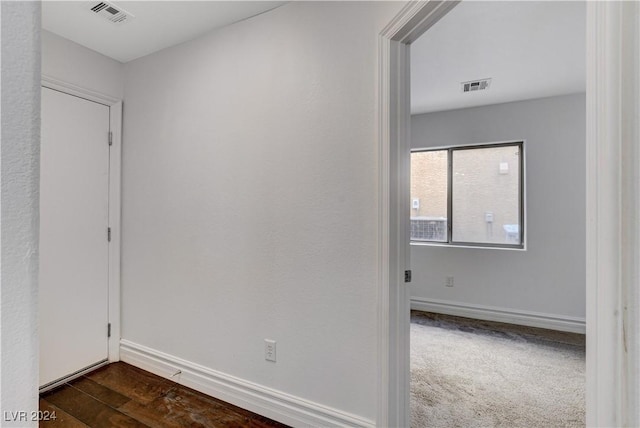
(78, 91)
(477, 247)
(601, 352)
(115, 202)
(259, 399)
(115, 195)
(630, 222)
(492, 313)
(393, 209)
(613, 207)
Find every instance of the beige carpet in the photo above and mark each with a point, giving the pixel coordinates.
(470, 373)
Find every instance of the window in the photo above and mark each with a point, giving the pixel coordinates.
(469, 195)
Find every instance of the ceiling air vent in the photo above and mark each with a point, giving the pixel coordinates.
(113, 13)
(476, 85)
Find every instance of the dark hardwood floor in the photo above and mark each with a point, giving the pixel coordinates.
(120, 395)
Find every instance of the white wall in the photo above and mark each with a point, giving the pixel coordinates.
(19, 182)
(72, 63)
(250, 201)
(549, 277)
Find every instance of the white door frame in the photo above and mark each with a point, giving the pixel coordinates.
(612, 208)
(393, 215)
(115, 159)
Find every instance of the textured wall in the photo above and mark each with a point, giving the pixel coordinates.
(19, 183)
(548, 277)
(250, 200)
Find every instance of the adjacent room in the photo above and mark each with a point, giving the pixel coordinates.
(497, 216)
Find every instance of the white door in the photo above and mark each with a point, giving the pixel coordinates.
(74, 202)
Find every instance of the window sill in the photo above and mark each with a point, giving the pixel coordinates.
(476, 247)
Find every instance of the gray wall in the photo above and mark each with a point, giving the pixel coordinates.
(549, 277)
(250, 201)
(72, 63)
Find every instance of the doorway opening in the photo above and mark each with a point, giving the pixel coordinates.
(497, 173)
(611, 378)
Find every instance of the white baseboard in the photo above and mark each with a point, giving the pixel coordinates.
(489, 313)
(265, 401)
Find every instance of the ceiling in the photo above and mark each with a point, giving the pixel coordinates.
(156, 24)
(528, 49)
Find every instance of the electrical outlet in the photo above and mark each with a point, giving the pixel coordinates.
(270, 350)
(449, 281)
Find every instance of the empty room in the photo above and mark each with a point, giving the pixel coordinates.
(497, 216)
(210, 213)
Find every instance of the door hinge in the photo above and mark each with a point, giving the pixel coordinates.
(407, 276)
(108, 234)
(109, 330)
(110, 138)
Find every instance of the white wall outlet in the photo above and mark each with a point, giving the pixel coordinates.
(270, 350)
(449, 281)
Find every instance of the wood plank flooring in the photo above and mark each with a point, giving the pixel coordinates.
(120, 395)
